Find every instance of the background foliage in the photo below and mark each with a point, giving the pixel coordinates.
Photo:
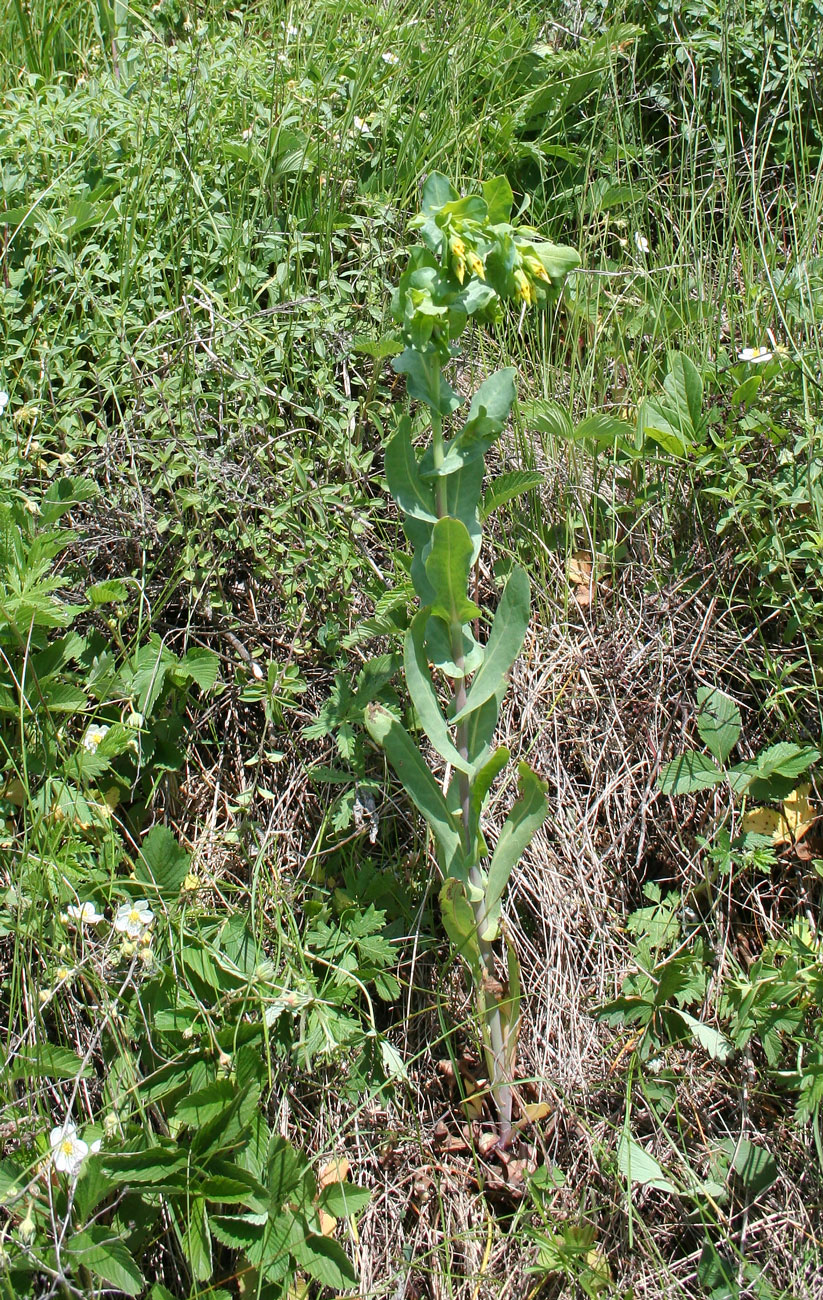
(203, 211)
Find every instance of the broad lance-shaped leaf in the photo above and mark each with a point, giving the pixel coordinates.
(447, 569)
(481, 785)
(460, 922)
(462, 498)
(424, 380)
(412, 495)
(480, 726)
(527, 815)
(419, 533)
(504, 643)
(424, 696)
(463, 501)
(499, 199)
(486, 419)
(418, 783)
(441, 650)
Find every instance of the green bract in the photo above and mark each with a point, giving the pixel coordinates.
(472, 259)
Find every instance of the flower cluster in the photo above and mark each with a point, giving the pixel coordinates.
(473, 242)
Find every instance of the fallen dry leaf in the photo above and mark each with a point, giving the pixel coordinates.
(328, 1223)
(535, 1111)
(334, 1171)
(787, 825)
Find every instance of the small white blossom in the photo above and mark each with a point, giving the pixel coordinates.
(85, 914)
(390, 58)
(134, 918)
(755, 355)
(641, 242)
(361, 127)
(292, 31)
(68, 1150)
(4, 400)
(94, 735)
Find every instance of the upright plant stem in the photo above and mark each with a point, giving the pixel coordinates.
(488, 996)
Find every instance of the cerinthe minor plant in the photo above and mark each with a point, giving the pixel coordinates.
(472, 258)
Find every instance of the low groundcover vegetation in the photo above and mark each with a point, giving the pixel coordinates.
(411, 539)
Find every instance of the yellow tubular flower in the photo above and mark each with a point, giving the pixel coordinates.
(525, 292)
(475, 265)
(459, 268)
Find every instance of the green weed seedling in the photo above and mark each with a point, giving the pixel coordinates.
(471, 259)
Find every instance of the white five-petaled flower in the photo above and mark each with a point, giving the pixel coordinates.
(755, 355)
(68, 1151)
(4, 400)
(641, 242)
(134, 918)
(85, 914)
(94, 735)
(391, 59)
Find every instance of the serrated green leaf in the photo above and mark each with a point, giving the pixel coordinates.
(639, 1166)
(344, 1199)
(200, 666)
(49, 1061)
(548, 417)
(154, 1165)
(163, 862)
(104, 1255)
(197, 1240)
(504, 644)
(718, 721)
(106, 593)
(505, 487)
(325, 1261)
(202, 1106)
(717, 1045)
(285, 1171)
(689, 772)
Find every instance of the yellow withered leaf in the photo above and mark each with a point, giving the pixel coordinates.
(786, 826)
(764, 821)
(536, 1110)
(798, 812)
